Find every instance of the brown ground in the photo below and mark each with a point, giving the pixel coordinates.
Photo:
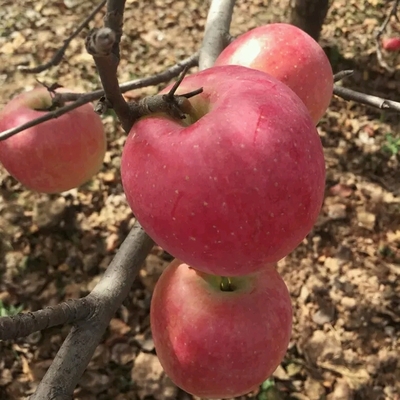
(343, 278)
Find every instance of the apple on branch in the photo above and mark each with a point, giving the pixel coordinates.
(218, 337)
(237, 184)
(290, 55)
(56, 155)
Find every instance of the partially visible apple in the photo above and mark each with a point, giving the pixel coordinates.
(56, 155)
(236, 185)
(391, 44)
(290, 55)
(220, 344)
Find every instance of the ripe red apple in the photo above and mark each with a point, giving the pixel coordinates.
(290, 55)
(220, 344)
(391, 44)
(56, 155)
(239, 183)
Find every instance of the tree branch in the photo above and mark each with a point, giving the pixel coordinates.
(24, 324)
(77, 350)
(216, 35)
(83, 98)
(367, 99)
(379, 33)
(342, 74)
(59, 54)
(103, 45)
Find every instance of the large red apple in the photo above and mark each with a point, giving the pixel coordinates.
(237, 184)
(220, 344)
(56, 155)
(290, 55)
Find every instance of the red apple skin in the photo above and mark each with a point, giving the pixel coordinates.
(290, 55)
(57, 155)
(240, 187)
(391, 44)
(220, 344)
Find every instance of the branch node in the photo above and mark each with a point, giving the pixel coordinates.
(99, 42)
(102, 106)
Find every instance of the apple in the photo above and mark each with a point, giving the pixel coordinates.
(290, 55)
(56, 155)
(237, 184)
(216, 343)
(391, 44)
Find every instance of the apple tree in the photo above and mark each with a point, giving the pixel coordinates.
(227, 197)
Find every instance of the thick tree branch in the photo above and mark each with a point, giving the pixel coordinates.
(83, 98)
(59, 54)
(78, 348)
(367, 99)
(24, 324)
(309, 15)
(216, 35)
(379, 33)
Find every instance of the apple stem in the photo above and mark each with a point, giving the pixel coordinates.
(226, 284)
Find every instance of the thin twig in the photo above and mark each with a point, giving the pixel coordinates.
(82, 98)
(216, 35)
(77, 350)
(342, 74)
(367, 99)
(59, 54)
(379, 33)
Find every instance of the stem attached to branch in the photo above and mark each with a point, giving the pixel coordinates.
(216, 35)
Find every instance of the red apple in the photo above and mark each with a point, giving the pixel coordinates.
(236, 185)
(56, 155)
(220, 344)
(290, 55)
(391, 44)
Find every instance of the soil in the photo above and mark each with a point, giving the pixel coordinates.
(343, 278)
